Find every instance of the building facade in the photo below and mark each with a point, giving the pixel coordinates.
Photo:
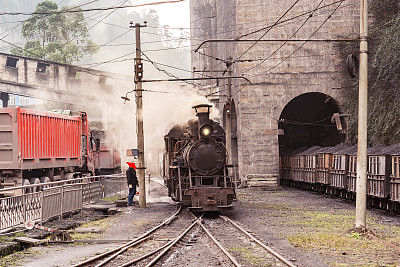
(295, 81)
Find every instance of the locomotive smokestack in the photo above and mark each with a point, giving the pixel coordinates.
(203, 112)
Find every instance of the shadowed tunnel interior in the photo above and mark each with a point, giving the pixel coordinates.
(306, 121)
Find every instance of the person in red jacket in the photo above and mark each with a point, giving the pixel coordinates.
(132, 181)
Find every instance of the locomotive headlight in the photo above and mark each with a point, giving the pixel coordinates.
(206, 130)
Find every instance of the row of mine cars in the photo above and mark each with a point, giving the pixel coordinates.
(333, 170)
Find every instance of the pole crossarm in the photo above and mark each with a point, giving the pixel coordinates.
(197, 79)
(272, 40)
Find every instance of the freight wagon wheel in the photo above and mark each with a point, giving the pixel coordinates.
(26, 182)
(35, 180)
(69, 176)
(43, 180)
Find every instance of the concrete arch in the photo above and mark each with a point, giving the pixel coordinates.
(306, 120)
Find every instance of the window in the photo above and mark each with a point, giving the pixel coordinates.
(42, 67)
(73, 73)
(11, 62)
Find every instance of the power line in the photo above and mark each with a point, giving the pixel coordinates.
(121, 3)
(88, 10)
(276, 50)
(283, 21)
(323, 23)
(279, 23)
(284, 14)
(164, 71)
(34, 54)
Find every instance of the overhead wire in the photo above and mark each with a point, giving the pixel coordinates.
(286, 41)
(283, 21)
(284, 14)
(109, 14)
(34, 54)
(164, 71)
(283, 60)
(88, 10)
(321, 8)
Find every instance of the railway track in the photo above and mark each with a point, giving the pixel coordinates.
(242, 248)
(170, 243)
(147, 249)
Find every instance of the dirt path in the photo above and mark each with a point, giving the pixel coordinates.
(314, 229)
(308, 228)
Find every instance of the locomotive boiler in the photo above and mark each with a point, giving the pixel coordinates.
(195, 164)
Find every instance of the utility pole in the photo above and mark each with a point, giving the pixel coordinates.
(139, 116)
(228, 110)
(361, 198)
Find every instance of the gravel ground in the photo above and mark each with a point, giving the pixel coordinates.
(315, 230)
(308, 228)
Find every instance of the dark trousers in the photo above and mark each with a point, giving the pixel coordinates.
(132, 193)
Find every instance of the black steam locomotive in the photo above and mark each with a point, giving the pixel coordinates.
(195, 164)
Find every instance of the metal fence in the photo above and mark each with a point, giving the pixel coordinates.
(44, 201)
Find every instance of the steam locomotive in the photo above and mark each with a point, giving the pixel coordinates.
(195, 164)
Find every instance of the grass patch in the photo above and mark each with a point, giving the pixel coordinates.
(343, 248)
(324, 220)
(112, 198)
(14, 258)
(248, 255)
(267, 206)
(102, 224)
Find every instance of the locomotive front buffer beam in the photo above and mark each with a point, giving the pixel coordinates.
(210, 199)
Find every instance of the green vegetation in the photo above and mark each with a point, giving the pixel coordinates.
(383, 80)
(59, 37)
(112, 198)
(102, 224)
(326, 231)
(246, 254)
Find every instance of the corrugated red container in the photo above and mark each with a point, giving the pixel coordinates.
(34, 139)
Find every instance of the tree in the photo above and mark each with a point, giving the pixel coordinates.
(383, 77)
(60, 37)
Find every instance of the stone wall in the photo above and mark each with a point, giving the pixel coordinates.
(279, 71)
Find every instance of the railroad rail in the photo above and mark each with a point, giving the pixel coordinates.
(228, 240)
(160, 241)
(152, 236)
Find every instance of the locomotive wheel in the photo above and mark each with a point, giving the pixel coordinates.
(389, 206)
(26, 182)
(44, 179)
(69, 176)
(35, 180)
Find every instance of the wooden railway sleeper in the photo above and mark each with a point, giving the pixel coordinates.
(127, 244)
(270, 250)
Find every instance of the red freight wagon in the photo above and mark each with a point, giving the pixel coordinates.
(38, 146)
(108, 160)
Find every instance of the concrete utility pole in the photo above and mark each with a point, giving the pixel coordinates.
(139, 116)
(228, 110)
(361, 198)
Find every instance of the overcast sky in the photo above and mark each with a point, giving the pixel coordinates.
(175, 15)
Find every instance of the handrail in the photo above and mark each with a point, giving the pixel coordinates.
(60, 182)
